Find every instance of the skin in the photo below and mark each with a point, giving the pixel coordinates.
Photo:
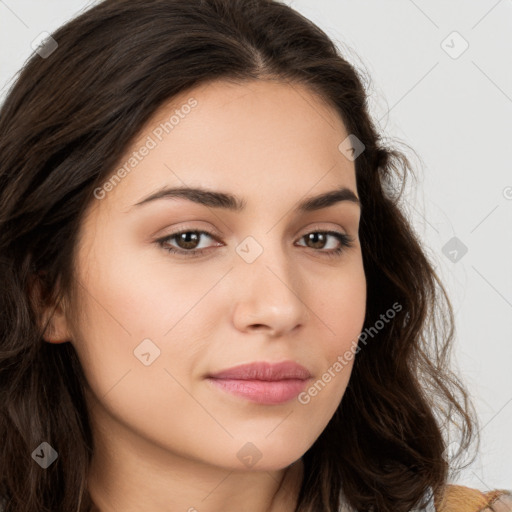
(165, 440)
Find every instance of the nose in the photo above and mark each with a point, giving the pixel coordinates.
(269, 296)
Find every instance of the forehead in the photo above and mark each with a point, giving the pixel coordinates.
(256, 136)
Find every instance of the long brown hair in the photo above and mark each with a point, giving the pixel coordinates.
(69, 117)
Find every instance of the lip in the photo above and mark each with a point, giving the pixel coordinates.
(261, 391)
(262, 382)
(265, 371)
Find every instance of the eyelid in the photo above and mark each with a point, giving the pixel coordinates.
(214, 233)
(317, 226)
(209, 230)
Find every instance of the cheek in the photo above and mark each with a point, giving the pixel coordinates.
(342, 307)
(341, 312)
(129, 298)
(139, 343)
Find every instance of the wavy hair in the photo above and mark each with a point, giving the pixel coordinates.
(66, 121)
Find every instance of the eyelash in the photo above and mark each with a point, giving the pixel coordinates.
(345, 240)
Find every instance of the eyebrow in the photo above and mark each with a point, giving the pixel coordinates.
(215, 199)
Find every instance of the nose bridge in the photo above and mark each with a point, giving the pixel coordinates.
(270, 292)
(265, 257)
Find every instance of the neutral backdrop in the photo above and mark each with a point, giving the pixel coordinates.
(453, 106)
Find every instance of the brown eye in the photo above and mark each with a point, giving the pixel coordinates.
(187, 242)
(318, 240)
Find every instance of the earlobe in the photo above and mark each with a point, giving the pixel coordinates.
(50, 317)
(56, 330)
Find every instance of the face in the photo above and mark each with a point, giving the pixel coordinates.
(262, 283)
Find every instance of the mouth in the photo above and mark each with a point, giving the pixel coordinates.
(263, 382)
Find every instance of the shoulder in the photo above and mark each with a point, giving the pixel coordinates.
(459, 498)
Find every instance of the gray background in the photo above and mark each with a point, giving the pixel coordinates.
(456, 113)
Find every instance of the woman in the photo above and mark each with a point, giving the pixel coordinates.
(211, 299)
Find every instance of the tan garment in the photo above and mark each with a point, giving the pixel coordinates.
(459, 498)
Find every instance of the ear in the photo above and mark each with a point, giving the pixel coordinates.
(50, 315)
